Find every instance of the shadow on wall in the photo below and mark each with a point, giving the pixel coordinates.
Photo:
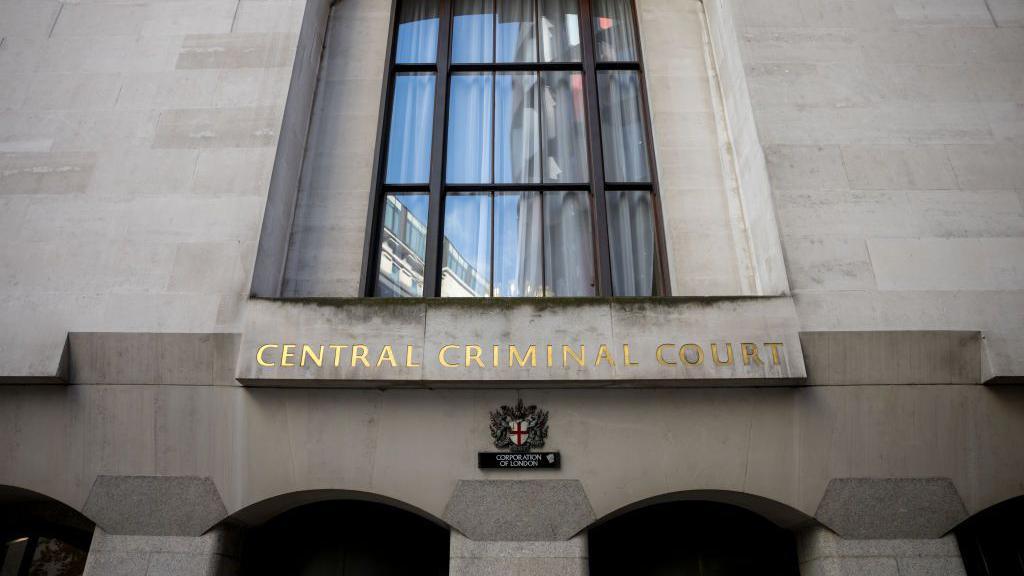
(40, 535)
(992, 541)
(691, 537)
(346, 538)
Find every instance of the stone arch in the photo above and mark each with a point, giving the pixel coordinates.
(341, 532)
(778, 513)
(992, 540)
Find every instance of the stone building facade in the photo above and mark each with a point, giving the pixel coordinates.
(195, 377)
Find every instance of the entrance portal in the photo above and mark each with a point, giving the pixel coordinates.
(691, 539)
(346, 538)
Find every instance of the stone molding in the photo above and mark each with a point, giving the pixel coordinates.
(154, 505)
(471, 558)
(201, 359)
(891, 508)
(519, 510)
(821, 552)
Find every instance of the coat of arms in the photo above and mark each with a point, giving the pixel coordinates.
(519, 428)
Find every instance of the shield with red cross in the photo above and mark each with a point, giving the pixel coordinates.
(519, 431)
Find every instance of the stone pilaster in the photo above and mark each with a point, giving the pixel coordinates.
(215, 553)
(822, 553)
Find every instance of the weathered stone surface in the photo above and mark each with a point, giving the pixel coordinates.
(451, 327)
(821, 552)
(911, 357)
(518, 510)
(215, 553)
(891, 508)
(174, 505)
(132, 358)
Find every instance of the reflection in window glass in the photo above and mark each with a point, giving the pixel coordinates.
(412, 117)
(516, 128)
(565, 139)
(417, 32)
(55, 557)
(517, 41)
(613, 31)
(13, 553)
(472, 30)
(560, 31)
(517, 244)
(623, 135)
(466, 255)
(469, 129)
(568, 245)
(403, 246)
(631, 239)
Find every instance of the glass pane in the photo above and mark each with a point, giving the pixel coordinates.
(560, 31)
(412, 117)
(472, 31)
(614, 38)
(417, 32)
(631, 241)
(623, 135)
(403, 245)
(469, 129)
(517, 38)
(517, 245)
(516, 128)
(568, 245)
(466, 257)
(13, 553)
(564, 126)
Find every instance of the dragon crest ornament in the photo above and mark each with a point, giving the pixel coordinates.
(519, 428)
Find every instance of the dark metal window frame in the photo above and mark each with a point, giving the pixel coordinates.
(437, 189)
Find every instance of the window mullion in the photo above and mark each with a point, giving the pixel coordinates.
(600, 220)
(432, 273)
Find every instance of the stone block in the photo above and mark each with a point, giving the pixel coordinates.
(898, 168)
(1007, 13)
(519, 510)
(990, 167)
(218, 128)
(116, 564)
(807, 167)
(879, 358)
(256, 50)
(952, 566)
(891, 508)
(45, 173)
(174, 505)
(178, 359)
(948, 264)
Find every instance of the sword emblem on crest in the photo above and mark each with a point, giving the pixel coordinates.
(519, 428)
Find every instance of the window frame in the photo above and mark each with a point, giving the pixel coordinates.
(437, 189)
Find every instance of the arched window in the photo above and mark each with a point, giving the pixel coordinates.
(514, 157)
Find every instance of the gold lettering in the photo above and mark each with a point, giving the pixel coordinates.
(359, 352)
(775, 351)
(531, 356)
(307, 352)
(625, 357)
(259, 355)
(567, 351)
(285, 355)
(388, 355)
(551, 359)
(473, 355)
(685, 359)
(728, 354)
(408, 357)
(661, 358)
(602, 354)
(749, 351)
(443, 359)
(337, 353)
(494, 355)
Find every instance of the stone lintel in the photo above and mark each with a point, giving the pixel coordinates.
(153, 358)
(471, 558)
(519, 510)
(892, 357)
(154, 505)
(891, 508)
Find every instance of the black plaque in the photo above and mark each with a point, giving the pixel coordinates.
(518, 460)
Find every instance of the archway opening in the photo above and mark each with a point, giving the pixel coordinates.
(346, 538)
(40, 536)
(691, 538)
(992, 541)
